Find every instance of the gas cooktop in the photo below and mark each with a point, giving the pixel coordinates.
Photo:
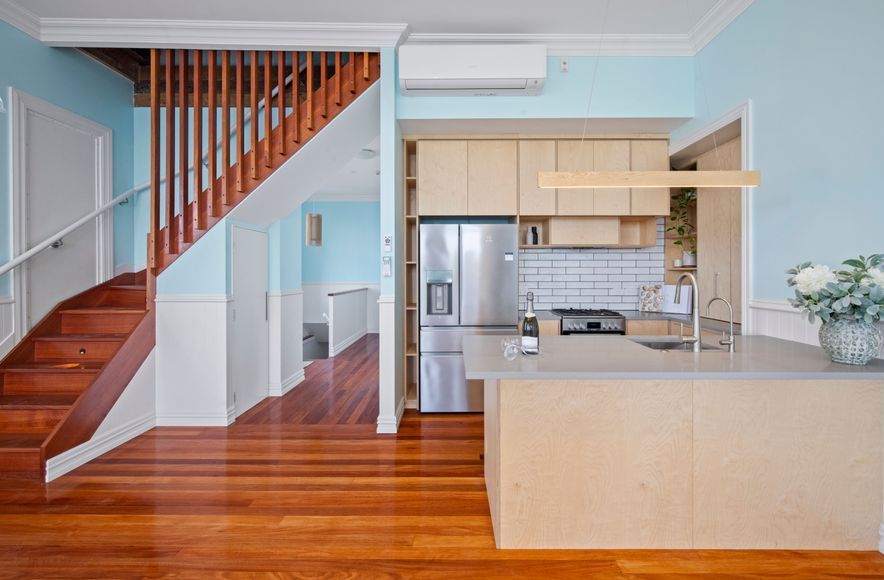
(583, 312)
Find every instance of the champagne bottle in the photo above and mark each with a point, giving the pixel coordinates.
(530, 329)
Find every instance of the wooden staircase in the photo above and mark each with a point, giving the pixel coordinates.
(59, 383)
(226, 84)
(61, 380)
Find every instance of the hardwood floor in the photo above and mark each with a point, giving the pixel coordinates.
(303, 487)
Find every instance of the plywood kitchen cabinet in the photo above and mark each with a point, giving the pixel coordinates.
(574, 155)
(442, 177)
(536, 156)
(547, 327)
(647, 327)
(611, 155)
(650, 156)
(584, 231)
(719, 235)
(492, 187)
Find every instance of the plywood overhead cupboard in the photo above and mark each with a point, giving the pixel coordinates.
(498, 177)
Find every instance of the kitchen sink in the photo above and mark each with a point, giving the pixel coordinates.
(667, 343)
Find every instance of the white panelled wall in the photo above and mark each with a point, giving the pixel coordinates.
(7, 324)
(777, 318)
(316, 300)
(285, 313)
(347, 317)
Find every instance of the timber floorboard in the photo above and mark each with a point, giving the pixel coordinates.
(302, 487)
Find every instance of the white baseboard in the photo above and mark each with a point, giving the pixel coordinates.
(345, 344)
(391, 424)
(881, 538)
(198, 420)
(287, 385)
(74, 458)
(411, 403)
(6, 344)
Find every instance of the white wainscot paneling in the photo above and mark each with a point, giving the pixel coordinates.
(391, 388)
(7, 324)
(777, 318)
(132, 414)
(347, 317)
(285, 311)
(192, 360)
(316, 300)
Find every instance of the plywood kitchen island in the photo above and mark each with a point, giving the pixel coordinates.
(600, 442)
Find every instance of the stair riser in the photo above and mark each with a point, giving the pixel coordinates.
(21, 463)
(104, 323)
(96, 351)
(46, 383)
(125, 299)
(28, 420)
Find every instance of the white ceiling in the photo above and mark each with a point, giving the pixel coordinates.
(357, 180)
(449, 16)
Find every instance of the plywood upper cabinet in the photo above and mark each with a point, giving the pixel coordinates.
(650, 156)
(536, 156)
(442, 177)
(575, 156)
(611, 155)
(492, 176)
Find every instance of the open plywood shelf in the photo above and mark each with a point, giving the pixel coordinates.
(590, 231)
(410, 282)
(682, 269)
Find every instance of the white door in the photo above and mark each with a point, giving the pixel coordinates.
(250, 327)
(61, 172)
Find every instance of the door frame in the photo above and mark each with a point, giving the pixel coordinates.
(743, 114)
(20, 105)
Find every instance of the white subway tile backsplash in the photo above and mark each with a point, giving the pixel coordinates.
(590, 278)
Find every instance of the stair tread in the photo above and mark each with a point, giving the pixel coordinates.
(36, 401)
(129, 287)
(81, 337)
(105, 310)
(53, 366)
(20, 441)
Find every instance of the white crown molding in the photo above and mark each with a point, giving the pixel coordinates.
(138, 33)
(717, 19)
(145, 33)
(21, 18)
(708, 27)
(283, 293)
(575, 44)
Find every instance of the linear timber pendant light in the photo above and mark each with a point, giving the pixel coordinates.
(642, 179)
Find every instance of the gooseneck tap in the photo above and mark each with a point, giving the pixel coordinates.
(694, 340)
(729, 341)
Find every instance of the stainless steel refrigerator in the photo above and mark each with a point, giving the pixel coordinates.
(468, 285)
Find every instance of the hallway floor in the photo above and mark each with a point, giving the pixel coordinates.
(301, 486)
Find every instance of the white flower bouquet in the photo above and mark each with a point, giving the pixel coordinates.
(855, 292)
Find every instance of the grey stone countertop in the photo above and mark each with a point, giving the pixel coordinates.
(617, 357)
(637, 315)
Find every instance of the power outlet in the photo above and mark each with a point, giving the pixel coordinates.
(564, 65)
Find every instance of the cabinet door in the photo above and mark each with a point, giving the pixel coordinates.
(650, 156)
(442, 177)
(493, 177)
(611, 156)
(536, 156)
(586, 231)
(647, 327)
(719, 217)
(575, 156)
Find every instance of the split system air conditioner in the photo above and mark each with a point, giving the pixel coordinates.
(472, 70)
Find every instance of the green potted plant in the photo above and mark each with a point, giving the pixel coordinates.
(680, 223)
(850, 302)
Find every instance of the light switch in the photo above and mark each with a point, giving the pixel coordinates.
(388, 244)
(388, 266)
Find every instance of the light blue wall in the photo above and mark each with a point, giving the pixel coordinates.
(284, 253)
(203, 269)
(625, 87)
(69, 79)
(813, 70)
(350, 250)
